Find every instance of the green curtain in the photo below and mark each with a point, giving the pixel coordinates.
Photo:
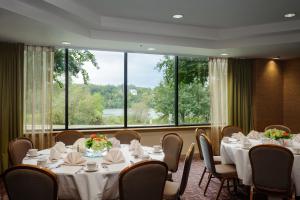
(11, 96)
(240, 93)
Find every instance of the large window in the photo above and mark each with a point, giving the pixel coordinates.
(193, 97)
(59, 88)
(100, 89)
(150, 90)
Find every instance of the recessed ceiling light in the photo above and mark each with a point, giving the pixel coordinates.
(65, 43)
(277, 58)
(177, 16)
(151, 49)
(224, 54)
(289, 15)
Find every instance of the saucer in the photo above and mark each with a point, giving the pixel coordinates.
(90, 170)
(160, 151)
(33, 156)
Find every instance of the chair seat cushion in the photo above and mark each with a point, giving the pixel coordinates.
(171, 190)
(217, 159)
(226, 170)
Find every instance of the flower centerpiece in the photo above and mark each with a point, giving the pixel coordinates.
(96, 144)
(279, 135)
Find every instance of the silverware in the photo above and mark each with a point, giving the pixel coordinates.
(104, 165)
(78, 171)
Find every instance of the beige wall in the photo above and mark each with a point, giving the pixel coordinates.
(291, 94)
(267, 93)
(276, 93)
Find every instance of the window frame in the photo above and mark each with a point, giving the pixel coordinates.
(125, 123)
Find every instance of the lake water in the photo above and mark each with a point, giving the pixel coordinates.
(120, 112)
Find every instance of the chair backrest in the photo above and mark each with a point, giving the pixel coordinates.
(198, 132)
(68, 137)
(186, 170)
(271, 168)
(207, 152)
(125, 136)
(172, 146)
(29, 182)
(144, 180)
(279, 127)
(227, 131)
(17, 150)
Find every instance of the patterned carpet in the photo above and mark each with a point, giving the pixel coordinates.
(192, 192)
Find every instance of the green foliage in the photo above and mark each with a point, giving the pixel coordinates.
(77, 59)
(194, 104)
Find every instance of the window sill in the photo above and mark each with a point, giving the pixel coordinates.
(141, 129)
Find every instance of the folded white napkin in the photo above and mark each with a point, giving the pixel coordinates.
(296, 138)
(138, 151)
(114, 155)
(54, 154)
(60, 147)
(134, 144)
(254, 135)
(80, 145)
(115, 142)
(74, 158)
(238, 136)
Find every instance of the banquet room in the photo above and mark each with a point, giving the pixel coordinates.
(149, 100)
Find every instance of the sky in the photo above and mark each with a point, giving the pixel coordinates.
(141, 69)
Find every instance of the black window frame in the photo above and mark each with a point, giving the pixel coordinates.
(125, 123)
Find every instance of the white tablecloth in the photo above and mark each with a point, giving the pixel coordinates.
(233, 153)
(75, 183)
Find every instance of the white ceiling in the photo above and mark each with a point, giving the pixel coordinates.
(252, 28)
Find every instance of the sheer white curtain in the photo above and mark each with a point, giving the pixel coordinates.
(38, 67)
(218, 68)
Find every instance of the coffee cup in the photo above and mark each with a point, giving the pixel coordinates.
(156, 148)
(91, 165)
(32, 152)
(42, 162)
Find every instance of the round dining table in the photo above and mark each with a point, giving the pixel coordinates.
(74, 182)
(235, 153)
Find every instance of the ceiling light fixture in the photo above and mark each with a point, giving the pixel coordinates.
(276, 58)
(65, 43)
(290, 15)
(151, 49)
(177, 16)
(224, 54)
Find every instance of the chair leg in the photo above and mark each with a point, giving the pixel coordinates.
(220, 189)
(228, 187)
(235, 185)
(208, 181)
(251, 193)
(204, 171)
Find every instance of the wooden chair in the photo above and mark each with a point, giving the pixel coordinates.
(279, 127)
(172, 145)
(17, 150)
(144, 180)
(217, 159)
(125, 136)
(222, 172)
(68, 137)
(173, 190)
(26, 182)
(227, 131)
(271, 170)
